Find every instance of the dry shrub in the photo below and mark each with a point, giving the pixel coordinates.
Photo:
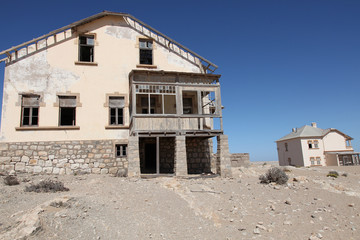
(334, 174)
(47, 186)
(11, 180)
(274, 175)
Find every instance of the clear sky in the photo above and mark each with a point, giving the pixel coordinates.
(284, 63)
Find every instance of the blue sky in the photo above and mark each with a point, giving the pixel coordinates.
(284, 63)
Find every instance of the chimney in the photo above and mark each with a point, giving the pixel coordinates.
(294, 129)
(313, 124)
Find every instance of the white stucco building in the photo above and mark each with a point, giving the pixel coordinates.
(313, 146)
(106, 94)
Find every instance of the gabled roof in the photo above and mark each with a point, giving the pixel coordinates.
(309, 131)
(11, 54)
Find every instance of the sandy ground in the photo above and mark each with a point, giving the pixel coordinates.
(106, 207)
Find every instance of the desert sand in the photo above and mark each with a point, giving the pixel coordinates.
(310, 206)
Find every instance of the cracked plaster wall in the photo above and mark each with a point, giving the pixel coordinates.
(53, 70)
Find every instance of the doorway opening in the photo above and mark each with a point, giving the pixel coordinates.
(157, 155)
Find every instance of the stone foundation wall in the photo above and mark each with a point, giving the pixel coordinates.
(198, 155)
(167, 154)
(63, 157)
(240, 160)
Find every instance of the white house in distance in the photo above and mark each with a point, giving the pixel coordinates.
(313, 146)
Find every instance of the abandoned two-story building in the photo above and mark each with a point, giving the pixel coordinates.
(110, 94)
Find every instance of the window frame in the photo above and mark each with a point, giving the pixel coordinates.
(31, 111)
(120, 149)
(312, 162)
(116, 112)
(286, 147)
(80, 45)
(68, 108)
(146, 48)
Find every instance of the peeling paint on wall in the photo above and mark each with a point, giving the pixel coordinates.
(121, 32)
(34, 73)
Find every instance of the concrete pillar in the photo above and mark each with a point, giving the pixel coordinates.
(223, 163)
(180, 156)
(133, 157)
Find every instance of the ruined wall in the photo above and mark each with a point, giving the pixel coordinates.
(240, 160)
(198, 155)
(63, 157)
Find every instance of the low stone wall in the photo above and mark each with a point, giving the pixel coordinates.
(63, 157)
(198, 155)
(240, 160)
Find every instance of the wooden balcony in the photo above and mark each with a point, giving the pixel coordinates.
(174, 125)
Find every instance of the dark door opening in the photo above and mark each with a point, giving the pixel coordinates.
(150, 158)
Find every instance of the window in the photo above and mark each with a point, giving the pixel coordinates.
(348, 143)
(146, 56)
(312, 161)
(121, 150)
(145, 105)
(116, 110)
(286, 147)
(313, 143)
(30, 110)
(67, 110)
(318, 160)
(86, 48)
(187, 106)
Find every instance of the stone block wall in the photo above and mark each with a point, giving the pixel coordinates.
(198, 155)
(167, 154)
(240, 160)
(62, 157)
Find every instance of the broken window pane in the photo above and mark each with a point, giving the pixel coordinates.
(145, 51)
(208, 102)
(86, 48)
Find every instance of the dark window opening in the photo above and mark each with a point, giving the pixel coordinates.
(67, 111)
(67, 116)
(30, 111)
(146, 52)
(187, 106)
(86, 48)
(121, 150)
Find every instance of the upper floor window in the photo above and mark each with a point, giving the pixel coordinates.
(86, 48)
(286, 147)
(313, 144)
(348, 143)
(146, 53)
(145, 105)
(116, 110)
(30, 110)
(187, 105)
(67, 110)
